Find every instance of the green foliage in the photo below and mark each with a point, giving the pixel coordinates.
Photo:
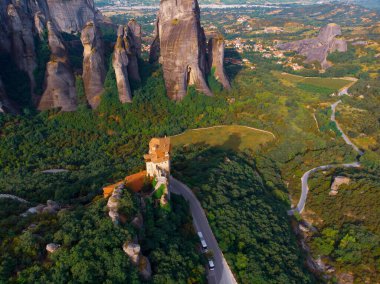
(159, 192)
(170, 243)
(215, 86)
(250, 224)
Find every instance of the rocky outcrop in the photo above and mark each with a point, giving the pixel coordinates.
(120, 65)
(71, 16)
(59, 78)
(133, 250)
(21, 41)
(216, 59)
(94, 71)
(182, 47)
(134, 39)
(338, 181)
(318, 48)
(52, 247)
(51, 207)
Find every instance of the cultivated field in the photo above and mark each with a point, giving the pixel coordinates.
(233, 137)
(316, 84)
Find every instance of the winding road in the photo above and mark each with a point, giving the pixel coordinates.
(222, 273)
(10, 196)
(305, 188)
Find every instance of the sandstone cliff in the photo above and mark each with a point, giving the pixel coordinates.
(216, 59)
(318, 48)
(71, 16)
(182, 47)
(59, 78)
(120, 64)
(20, 42)
(134, 39)
(94, 71)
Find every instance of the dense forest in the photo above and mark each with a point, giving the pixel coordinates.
(252, 190)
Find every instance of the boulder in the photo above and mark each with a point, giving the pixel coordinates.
(216, 59)
(120, 65)
(52, 247)
(59, 78)
(182, 45)
(133, 250)
(94, 71)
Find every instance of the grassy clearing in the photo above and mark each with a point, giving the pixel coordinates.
(233, 137)
(331, 84)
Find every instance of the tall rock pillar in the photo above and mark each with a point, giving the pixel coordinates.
(182, 46)
(94, 71)
(216, 58)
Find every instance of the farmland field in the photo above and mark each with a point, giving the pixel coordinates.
(234, 137)
(314, 84)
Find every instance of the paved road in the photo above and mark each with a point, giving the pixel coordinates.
(13, 197)
(222, 273)
(344, 136)
(305, 188)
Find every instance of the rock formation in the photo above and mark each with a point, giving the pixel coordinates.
(338, 181)
(216, 59)
(59, 78)
(120, 65)
(182, 47)
(71, 16)
(94, 71)
(133, 250)
(21, 41)
(52, 247)
(134, 39)
(318, 48)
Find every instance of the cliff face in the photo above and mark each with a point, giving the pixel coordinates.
(59, 78)
(23, 20)
(182, 47)
(93, 63)
(134, 39)
(318, 48)
(71, 16)
(216, 58)
(120, 65)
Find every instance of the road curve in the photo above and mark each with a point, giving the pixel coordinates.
(222, 273)
(305, 188)
(2, 196)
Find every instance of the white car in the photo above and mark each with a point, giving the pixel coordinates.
(211, 264)
(203, 242)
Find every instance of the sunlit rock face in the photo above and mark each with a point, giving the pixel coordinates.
(120, 65)
(22, 21)
(318, 48)
(59, 78)
(216, 58)
(94, 71)
(182, 47)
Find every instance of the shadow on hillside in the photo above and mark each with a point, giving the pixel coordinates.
(231, 60)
